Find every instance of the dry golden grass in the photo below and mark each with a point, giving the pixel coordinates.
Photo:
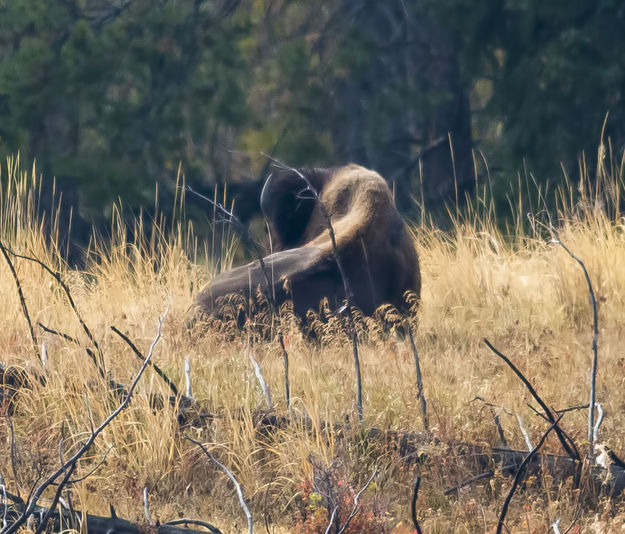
(513, 286)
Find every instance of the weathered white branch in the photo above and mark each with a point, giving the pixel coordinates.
(595, 431)
(187, 377)
(331, 520)
(528, 441)
(261, 379)
(146, 507)
(595, 336)
(248, 514)
(356, 499)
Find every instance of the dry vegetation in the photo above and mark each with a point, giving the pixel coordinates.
(512, 285)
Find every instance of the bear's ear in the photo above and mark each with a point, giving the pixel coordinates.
(288, 204)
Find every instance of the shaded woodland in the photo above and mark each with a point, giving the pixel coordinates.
(113, 97)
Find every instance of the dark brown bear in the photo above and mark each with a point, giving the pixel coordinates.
(374, 245)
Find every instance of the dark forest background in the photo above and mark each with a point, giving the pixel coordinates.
(111, 96)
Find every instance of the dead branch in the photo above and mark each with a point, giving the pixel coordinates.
(520, 472)
(502, 435)
(413, 505)
(59, 279)
(420, 394)
(139, 355)
(567, 445)
(115, 387)
(262, 382)
(250, 242)
(146, 507)
(468, 481)
(491, 406)
(331, 523)
(559, 412)
(346, 286)
(595, 430)
(5, 502)
(595, 336)
(526, 436)
(607, 477)
(43, 523)
(572, 408)
(188, 408)
(67, 468)
(187, 377)
(20, 293)
(356, 507)
(248, 514)
(91, 471)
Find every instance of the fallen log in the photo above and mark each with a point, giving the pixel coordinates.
(606, 478)
(94, 524)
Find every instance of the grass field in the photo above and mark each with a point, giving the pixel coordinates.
(509, 283)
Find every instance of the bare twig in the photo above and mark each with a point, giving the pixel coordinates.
(91, 471)
(572, 408)
(18, 285)
(57, 276)
(567, 445)
(245, 234)
(595, 336)
(346, 286)
(502, 435)
(266, 513)
(70, 465)
(520, 472)
(492, 406)
(248, 514)
(331, 524)
(526, 436)
(413, 505)
(44, 355)
(356, 507)
(5, 502)
(420, 394)
(595, 432)
(116, 387)
(61, 442)
(468, 481)
(112, 524)
(146, 507)
(568, 438)
(57, 495)
(262, 382)
(75, 341)
(88, 409)
(139, 355)
(187, 377)
(556, 526)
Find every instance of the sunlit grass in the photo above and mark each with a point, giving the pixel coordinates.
(507, 282)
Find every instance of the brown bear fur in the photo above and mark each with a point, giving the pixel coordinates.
(373, 242)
